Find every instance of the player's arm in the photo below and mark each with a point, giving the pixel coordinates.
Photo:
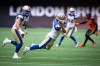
(93, 20)
(63, 31)
(18, 22)
(76, 24)
(25, 28)
(62, 28)
(96, 30)
(83, 22)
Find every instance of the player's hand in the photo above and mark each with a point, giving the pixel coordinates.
(22, 33)
(76, 24)
(25, 32)
(96, 33)
(64, 34)
(60, 23)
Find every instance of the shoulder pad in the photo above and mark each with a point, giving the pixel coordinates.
(20, 16)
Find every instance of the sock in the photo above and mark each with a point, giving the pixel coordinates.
(14, 43)
(35, 46)
(73, 38)
(18, 47)
(61, 39)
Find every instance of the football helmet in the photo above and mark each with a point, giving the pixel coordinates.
(72, 9)
(88, 15)
(60, 16)
(26, 10)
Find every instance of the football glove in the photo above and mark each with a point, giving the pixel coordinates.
(21, 33)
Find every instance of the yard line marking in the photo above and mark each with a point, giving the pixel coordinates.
(30, 63)
(55, 58)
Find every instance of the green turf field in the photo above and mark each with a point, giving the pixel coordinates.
(65, 55)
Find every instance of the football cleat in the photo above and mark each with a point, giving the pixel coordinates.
(76, 44)
(26, 50)
(94, 44)
(6, 41)
(57, 45)
(16, 56)
(82, 45)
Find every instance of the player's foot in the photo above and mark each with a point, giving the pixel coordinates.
(57, 45)
(16, 56)
(94, 44)
(76, 44)
(81, 45)
(6, 41)
(26, 49)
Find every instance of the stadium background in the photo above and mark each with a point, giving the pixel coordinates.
(43, 12)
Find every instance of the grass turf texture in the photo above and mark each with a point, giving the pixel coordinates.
(65, 55)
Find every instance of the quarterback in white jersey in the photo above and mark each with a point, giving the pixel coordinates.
(71, 19)
(57, 28)
(19, 30)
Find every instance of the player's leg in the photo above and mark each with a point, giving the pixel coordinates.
(90, 33)
(62, 38)
(70, 34)
(48, 47)
(87, 37)
(43, 44)
(7, 41)
(18, 43)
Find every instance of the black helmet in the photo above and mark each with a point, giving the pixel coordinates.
(88, 15)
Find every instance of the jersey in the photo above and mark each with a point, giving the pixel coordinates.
(71, 19)
(92, 25)
(55, 29)
(24, 20)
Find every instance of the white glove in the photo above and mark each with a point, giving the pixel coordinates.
(21, 33)
(25, 32)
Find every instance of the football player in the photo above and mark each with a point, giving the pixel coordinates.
(57, 28)
(70, 28)
(19, 30)
(93, 27)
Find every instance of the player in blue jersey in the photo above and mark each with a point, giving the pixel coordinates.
(19, 30)
(57, 28)
(70, 28)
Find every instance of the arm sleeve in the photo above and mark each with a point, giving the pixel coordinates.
(96, 27)
(83, 22)
(93, 20)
